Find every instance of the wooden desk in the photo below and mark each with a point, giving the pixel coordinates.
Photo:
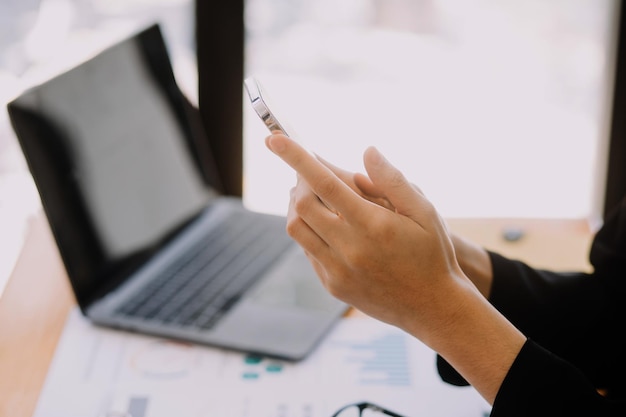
(37, 297)
(33, 309)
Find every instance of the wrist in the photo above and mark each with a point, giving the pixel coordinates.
(474, 338)
(475, 263)
(443, 308)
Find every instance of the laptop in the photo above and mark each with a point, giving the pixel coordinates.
(150, 244)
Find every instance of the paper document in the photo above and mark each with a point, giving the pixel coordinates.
(103, 372)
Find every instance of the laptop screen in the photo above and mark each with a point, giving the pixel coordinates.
(110, 149)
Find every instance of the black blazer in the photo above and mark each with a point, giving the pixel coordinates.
(575, 324)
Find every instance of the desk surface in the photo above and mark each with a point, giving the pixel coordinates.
(38, 297)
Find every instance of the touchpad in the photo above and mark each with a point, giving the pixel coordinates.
(294, 283)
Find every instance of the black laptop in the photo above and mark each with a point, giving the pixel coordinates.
(149, 244)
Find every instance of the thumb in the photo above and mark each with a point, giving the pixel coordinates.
(404, 196)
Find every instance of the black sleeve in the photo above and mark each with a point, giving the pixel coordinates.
(540, 383)
(577, 317)
(570, 314)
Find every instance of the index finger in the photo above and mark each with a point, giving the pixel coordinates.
(324, 183)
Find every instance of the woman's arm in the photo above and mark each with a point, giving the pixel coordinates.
(398, 266)
(573, 315)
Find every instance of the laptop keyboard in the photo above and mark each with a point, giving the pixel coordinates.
(199, 288)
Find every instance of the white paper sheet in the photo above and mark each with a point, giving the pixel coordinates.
(102, 372)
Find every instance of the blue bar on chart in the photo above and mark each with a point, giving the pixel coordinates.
(381, 361)
(137, 406)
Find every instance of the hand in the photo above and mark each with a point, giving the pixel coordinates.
(396, 265)
(361, 184)
(392, 265)
(472, 258)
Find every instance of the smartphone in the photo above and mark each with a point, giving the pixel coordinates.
(260, 103)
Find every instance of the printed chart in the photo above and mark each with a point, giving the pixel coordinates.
(107, 373)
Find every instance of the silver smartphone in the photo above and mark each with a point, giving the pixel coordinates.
(260, 103)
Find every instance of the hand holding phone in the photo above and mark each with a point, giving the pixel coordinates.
(261, 105)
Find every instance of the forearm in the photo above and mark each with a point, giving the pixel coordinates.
(399, 265)
(470, 334)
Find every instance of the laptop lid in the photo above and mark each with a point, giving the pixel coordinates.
(79, 148)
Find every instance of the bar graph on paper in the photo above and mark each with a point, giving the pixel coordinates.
(381, 360)
(363, 355)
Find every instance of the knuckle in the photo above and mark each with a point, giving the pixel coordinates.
(379, 231)
(292, 228)
(355, 257)
(296, 159)
(428, 208)
(301, 204)
(326, 186)
(396, 180)
(377, 227)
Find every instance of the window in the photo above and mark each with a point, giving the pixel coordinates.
(495, 109)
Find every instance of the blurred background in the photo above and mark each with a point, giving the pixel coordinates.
(494, 108)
